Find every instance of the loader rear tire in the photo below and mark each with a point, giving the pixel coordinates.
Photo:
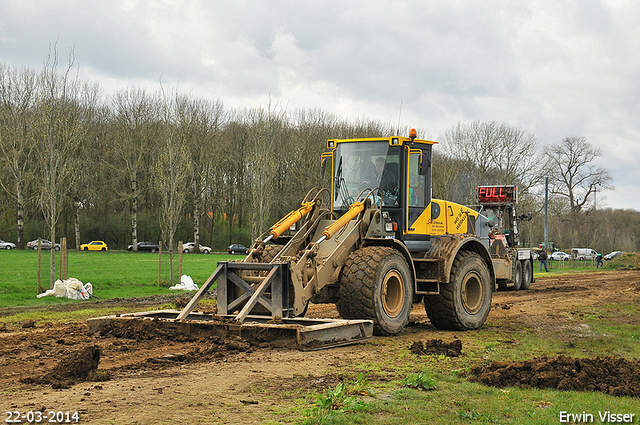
(464, 303)
(376, 284)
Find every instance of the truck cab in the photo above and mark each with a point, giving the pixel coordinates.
(514, 265)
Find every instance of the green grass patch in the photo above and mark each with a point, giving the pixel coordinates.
(454, 400)
(113, 274)
(400, 396)
(628, 261)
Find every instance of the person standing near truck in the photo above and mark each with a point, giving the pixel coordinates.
(543, 260)
(599, 261)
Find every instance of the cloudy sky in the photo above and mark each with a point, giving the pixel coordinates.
(554, 68)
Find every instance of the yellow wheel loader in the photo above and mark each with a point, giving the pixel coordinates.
(374, 244)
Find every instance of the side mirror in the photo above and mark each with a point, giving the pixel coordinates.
(423, 169)
(323, 167)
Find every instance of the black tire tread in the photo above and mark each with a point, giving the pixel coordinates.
(357, 282)
(517, 284)
(441, 308)
(526, 280)
(270, 252)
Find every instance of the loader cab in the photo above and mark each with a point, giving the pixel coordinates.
(395, 171)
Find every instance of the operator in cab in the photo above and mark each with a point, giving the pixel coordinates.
(380, 177)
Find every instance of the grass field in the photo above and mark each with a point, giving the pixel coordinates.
(113, 274)
(123, 274)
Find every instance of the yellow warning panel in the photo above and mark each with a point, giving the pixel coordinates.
(441, 218)
(458, 218)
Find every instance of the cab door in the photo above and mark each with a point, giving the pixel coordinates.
(417, 190)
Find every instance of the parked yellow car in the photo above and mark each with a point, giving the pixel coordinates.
(94, 246)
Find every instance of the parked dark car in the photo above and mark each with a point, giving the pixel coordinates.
(45, 245)
(146, 246)
(236, 248)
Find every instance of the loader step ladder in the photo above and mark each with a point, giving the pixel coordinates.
(427, 286)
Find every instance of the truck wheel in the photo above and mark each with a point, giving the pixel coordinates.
(464, 303)
(517, 283)
(526, 274)
(376, 284)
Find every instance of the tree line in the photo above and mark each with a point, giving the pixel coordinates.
(168, 166)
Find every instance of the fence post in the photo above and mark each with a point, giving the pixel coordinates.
(179, 261)
(40, 290)
(63, 258)
(159, 261)
(66, 259)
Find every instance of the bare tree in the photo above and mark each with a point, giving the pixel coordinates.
(136, 119)
(173, 168)
(573, 174)
(17, 96)
(91, 187)
(574, 177)
(267, 127)
(59, 128)
(230, 181)
(493, 153)
(206, 120)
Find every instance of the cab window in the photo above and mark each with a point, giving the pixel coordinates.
(417, 183)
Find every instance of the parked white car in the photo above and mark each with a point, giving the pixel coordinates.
(560, 256)
(190, 247)
(613, 255)
(7, 245)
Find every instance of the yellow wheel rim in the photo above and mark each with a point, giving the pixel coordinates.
(393, 293)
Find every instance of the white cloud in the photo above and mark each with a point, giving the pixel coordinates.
(553, 69)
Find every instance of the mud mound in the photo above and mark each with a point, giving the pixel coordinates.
(181, 302)
(143, 330)
(216, 348)
(568, 288)
(79, 365)
(609, 375)
(437, 347)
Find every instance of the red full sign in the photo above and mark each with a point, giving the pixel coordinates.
(496, 194)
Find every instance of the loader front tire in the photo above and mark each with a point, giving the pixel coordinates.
(376, 284)
(270, 251)
(464, 303)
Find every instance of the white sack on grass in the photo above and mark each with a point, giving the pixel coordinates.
(71, 288)
(186, 284)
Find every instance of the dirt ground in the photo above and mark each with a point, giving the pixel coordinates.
(135, 376)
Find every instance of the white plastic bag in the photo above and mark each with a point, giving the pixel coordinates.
(186, 284)
(71, 288)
